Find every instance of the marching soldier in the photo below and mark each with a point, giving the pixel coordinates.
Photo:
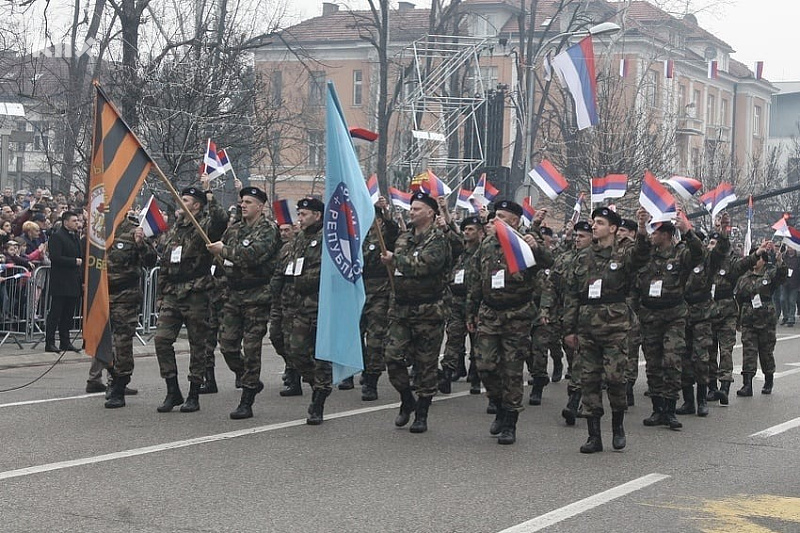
(626, 236)
(248, 250)
(282, 310)
(184, 282)
(597, 320)
(421, 262)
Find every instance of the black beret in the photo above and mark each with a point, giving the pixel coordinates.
(312, 204)
(426, 199)
(629, 224)
(508, 205)
(714, 235)
(546, 231)
(582, 225)
(471, 221)
(666, 227)
(491, 216)
(196, 193)
(255, 192)
(604, 212)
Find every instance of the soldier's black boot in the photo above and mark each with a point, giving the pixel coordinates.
(669, 415)
(536, 390)
(445, 380)
(174, 397)
(317, 407)
(461, 370)
(768, 382)
(657, 417)
(558, 370)
(497, 423)
(618, 441)
(420, 424)
(491, 407)
(238, 381)
(747, 388)
(702, 402)
(407, 406)
(508, 435)
(347, 384)
(724, 392)
(688, 402)
(474, 379)
(712, 395)
(570, 412)
(595, 442)
(629, 394)
(292, 386)
(369, 389)
(116, 397)
(192, 399)
(245, 408)
(209, 385)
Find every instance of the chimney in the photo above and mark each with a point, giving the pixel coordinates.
(329, 8)
(404, 6)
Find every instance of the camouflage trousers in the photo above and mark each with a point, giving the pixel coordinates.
(694, 366)
(604, 359)
(276, 336)
(455, 347)
(758, 345)
(302, 347)
(374, 326)
(723, 338)
(417, 342)
(503, 343)
(576, 370)
(241, 333)
(634, 342)
(663, 343)
(174, 313)
(215, 305)
(541, 341)
(124, 315)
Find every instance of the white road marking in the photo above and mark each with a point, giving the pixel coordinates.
(586, 504)
(780, 428)
(174, 445)
(49, 400)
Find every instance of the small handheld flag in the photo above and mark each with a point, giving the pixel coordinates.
(611, 186)
(213, 166)
(484, 192)
(748, 237)
(224, 162)
(517, 252)
(576, 210)
(400, 199)
(528, 211)
(151, 220)
(576, 69)
(434, 186)
(781, 227)
(372, 187)
(282, 212)
(685, 187)
(548, 179)
(465, 201)
(656, 199)
(717, 200)
(793, 239)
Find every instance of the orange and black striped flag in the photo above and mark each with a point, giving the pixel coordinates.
(118, 169)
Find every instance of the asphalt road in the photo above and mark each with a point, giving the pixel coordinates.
(68, 464)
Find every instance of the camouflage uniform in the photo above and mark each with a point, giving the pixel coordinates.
(501, 304)
(663, 315)
(757, 314)
(455, 347)
(249, 256)
(184, 282)
(634, 341)
(541, 339)
(374, 316)
(217, 296)
(125, 260)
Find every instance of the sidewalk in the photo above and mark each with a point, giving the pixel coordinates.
(11, 356)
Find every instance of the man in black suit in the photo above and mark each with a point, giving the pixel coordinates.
(65, 282)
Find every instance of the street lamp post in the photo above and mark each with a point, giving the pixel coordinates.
(603, 28)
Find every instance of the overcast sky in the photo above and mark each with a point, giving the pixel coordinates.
(759, 30)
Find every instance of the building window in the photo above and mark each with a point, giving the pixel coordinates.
(276, 86)
(651, 88)
(682, 98)
(697, 167)
(316, 89)
(711, 110)
(696, 102)
(723, 112)
(486, 80)
(757, 121)
(358, 87)
(316, 149)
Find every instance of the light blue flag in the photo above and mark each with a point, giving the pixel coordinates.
(348, 216)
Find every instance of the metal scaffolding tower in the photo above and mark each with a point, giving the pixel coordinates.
(432, 120)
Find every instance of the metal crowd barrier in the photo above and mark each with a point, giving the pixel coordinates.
(15, 284)
(39, 307)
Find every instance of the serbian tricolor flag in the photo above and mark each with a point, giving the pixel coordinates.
(116, 174)
(211, 160)
(781, 228)
(465, 201)
(759, 70)
(548, 179)
(611, 186)
(748, 236)
(576, 210)
(576, 69)
(434, 186)
(685, 187)
(363, 134)
(282, 212)
(528, 211)
(517, 252)
(484, 192)
(717, 200)
(623, 68)
(792, 240)
(713, 73)
(151, 220)
(656, 199)
(372, 187)
(224, 161)
(669, 68)
(400, 199)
